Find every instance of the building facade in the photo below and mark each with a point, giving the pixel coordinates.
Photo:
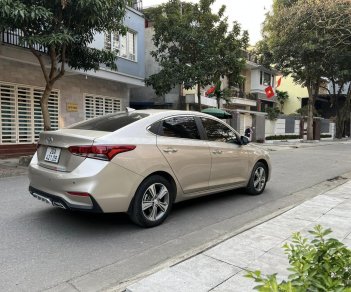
(76, 96)
(248, 96)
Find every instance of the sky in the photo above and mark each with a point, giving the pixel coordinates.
(249, 13)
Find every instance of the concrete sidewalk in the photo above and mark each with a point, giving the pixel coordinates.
(222, 267)
(284, 145)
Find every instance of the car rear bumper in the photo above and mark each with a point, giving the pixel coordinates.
(110, 187)
(59, 202)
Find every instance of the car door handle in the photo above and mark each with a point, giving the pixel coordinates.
(217, 151)
(170, 150)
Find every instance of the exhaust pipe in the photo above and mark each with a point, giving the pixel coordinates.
(58, 204)
(48, 201)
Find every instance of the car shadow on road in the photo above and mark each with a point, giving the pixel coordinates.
(217, 198)
(85, 223)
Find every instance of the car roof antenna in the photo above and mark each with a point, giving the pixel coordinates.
(129, 110)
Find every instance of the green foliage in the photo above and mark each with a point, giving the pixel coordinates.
(303, 111)
(307, 39)
(194, 46)
(272, 113)
(322, 264)
(65, 28)
(282, 97)
(264, 54)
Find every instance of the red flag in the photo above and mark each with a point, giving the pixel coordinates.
(278, 83)
(211, 90)
(269, 91)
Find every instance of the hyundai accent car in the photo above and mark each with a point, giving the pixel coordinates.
(141, 162)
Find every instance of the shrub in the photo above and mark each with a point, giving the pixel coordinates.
(282, 137)
(272, 113)
(319, 265)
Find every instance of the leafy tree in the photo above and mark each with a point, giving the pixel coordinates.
(301, 34)
(65, 28)
(339, 74)
(194, 46)
(282, 97)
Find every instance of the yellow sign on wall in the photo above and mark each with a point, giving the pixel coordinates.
(72, 107)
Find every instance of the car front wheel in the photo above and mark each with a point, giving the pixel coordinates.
(152, 202)
(258, 179)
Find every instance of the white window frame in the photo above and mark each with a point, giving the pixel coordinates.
(104, 98)
(111, 44)
(32, 92)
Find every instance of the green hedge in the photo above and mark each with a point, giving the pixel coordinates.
(288, 137)
(282, 137)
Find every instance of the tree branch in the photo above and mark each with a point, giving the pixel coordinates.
(39, 57)
(63, 61)
(41, 62)
(53, 62)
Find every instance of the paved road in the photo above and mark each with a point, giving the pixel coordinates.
(42, 247)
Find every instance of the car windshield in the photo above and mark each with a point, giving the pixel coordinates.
(109, 123)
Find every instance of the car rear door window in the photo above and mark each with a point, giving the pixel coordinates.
(180, 127)
(217, 131)
(109, 123)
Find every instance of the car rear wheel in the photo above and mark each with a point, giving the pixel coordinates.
(152, 202)
(258, 179)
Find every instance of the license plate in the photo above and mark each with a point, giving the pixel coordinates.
(52, 154)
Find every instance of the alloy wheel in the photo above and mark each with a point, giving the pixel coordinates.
(259, 179)
(155, 202)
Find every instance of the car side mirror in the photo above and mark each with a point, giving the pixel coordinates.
(244, 140)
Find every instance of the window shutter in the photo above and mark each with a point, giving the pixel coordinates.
(8, 113)
(24, 114)
(96, 106)
(20, 113)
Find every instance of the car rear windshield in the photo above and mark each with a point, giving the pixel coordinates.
(109, 123)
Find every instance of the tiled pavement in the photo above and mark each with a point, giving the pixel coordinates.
(221, 268)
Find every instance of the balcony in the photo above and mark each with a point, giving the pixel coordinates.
(242, 101)
(14, 38)
(206, 101)
(135, 4)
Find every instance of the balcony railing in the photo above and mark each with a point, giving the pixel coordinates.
(12, 37)
(135, 4)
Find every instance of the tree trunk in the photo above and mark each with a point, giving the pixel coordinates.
(338, 123)
(199, 97)
(310, 114)
(44, 102)
(342, 114)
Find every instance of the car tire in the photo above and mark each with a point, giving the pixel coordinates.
(258, 179)
(152, 202)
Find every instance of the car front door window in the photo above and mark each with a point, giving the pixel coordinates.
(218, 132)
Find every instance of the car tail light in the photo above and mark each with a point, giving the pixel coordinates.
(102, 152)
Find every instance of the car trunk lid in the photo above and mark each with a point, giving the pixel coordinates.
(53, 147)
